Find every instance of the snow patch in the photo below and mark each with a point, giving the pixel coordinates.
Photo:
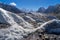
(13, 4)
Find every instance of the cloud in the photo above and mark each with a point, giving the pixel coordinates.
(13, 4)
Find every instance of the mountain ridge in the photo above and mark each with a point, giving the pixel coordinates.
(51, 9)
(10, 8)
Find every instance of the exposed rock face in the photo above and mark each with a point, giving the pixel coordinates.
(52, 26)
(41, 9)
(50, 9)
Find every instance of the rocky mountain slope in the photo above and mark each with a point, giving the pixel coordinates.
(50, 9)
(26, 26)
(13, 19)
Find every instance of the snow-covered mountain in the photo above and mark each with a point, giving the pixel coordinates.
(11, 18)
(10, 8)
(18, 26)
(15, 26)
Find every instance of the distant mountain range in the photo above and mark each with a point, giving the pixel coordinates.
(50, 9)
(41, 9)
(14, 9)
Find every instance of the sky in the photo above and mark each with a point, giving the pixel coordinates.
(31, 4)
